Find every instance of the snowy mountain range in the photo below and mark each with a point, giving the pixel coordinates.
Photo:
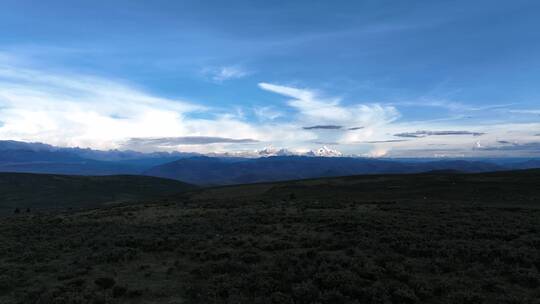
(268, 164)
(123, 155)
(271, 151)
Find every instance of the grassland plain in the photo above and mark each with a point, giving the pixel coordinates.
(424, 238)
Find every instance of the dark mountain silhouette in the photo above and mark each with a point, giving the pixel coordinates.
(86, 153)
(18, 156)
(206, 170)
(528, 164)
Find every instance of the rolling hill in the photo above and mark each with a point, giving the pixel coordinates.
(44, 191)
(217, 171)
(516, 188)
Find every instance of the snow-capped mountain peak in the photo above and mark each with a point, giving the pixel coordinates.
(270, 151)
(326, 152)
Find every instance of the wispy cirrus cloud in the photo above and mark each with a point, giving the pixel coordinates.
(450, 105)
(313, 108)
(526, 111)
(224, 73)
(173, 142)
(267, 113)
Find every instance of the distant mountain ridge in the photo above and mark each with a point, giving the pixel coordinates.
(269, 164)
(87, 153)
(16, 156)
(208, 171)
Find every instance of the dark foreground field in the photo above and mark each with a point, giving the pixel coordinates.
(427, 238)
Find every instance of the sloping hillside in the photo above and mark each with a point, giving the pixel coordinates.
(502, 188)
(45, 191)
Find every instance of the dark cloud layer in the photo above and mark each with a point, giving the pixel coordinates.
(419, 134)
(323, 127)
(328, 143)
(385, 141)
(355, 128)
(185, 140)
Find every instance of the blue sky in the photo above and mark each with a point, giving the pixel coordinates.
(375, 78)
